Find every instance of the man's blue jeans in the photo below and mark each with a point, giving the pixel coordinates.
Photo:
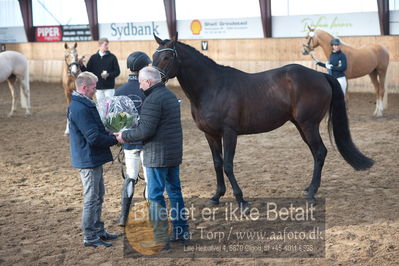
(159, 178)
(93, 195)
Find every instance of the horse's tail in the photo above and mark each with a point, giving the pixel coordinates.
(25, 88)
(339, 125)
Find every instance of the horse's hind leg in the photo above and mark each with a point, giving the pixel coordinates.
(11, 83)
(215, 143)
(379, 105)
(229, 145)
(382, 93)
(311, 135)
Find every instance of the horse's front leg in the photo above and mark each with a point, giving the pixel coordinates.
(25, 96)
(215, 143)
(11, 83)
(229, 147)
(68, 88)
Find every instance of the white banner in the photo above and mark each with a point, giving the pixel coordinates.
(134, 30)
(346, 24)
(233, 28)
(394, 22)
(12, 35)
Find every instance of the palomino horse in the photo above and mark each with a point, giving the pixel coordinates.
(371, 60)
(15, 69)
(70, 71)
(226, 102)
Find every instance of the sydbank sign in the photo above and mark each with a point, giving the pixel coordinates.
(128, 31)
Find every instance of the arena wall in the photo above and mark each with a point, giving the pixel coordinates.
(250, 55)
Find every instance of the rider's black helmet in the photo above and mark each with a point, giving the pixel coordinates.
(137, 60)
(335, 41)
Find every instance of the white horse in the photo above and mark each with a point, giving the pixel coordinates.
(15, 69)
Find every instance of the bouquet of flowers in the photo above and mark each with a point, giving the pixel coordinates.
(120, 114)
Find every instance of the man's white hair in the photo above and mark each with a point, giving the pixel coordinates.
(150, 73)
(85, 78)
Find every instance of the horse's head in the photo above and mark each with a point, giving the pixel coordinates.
(165, 58)
(312, 41)
(71, 60)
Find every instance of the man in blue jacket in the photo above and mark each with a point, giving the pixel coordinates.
(89, 146)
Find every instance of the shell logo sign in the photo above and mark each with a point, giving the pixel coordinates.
(196, 27)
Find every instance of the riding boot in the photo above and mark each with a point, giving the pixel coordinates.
(126, 195)
(125, 211)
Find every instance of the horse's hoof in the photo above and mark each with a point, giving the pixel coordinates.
(310, 191)
(213, 201)
(244, 206)
(311, 200)
(378, 113)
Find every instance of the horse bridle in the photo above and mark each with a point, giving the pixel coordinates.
(70, 65)
(164, 72)
(307, 46)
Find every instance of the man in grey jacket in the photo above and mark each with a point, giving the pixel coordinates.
(161, 132)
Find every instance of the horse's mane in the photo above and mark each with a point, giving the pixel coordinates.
(329, 34)
(206, 59)
(197, 53)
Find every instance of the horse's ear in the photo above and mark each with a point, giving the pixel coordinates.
(174, 39)
(76, 45)
(157, 39)
(310, 28)
(66, 46)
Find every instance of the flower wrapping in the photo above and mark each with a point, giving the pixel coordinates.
(120, 114)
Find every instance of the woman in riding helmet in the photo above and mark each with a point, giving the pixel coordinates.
(133, 152)
(336, 65)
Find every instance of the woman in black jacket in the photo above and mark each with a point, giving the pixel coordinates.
(337, 64)
(135, 62)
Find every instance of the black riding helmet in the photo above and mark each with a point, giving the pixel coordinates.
(137, 60)
(335, 41)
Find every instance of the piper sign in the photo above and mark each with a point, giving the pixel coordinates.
(48, 34)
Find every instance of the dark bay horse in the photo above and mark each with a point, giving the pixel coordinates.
(226, 102)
